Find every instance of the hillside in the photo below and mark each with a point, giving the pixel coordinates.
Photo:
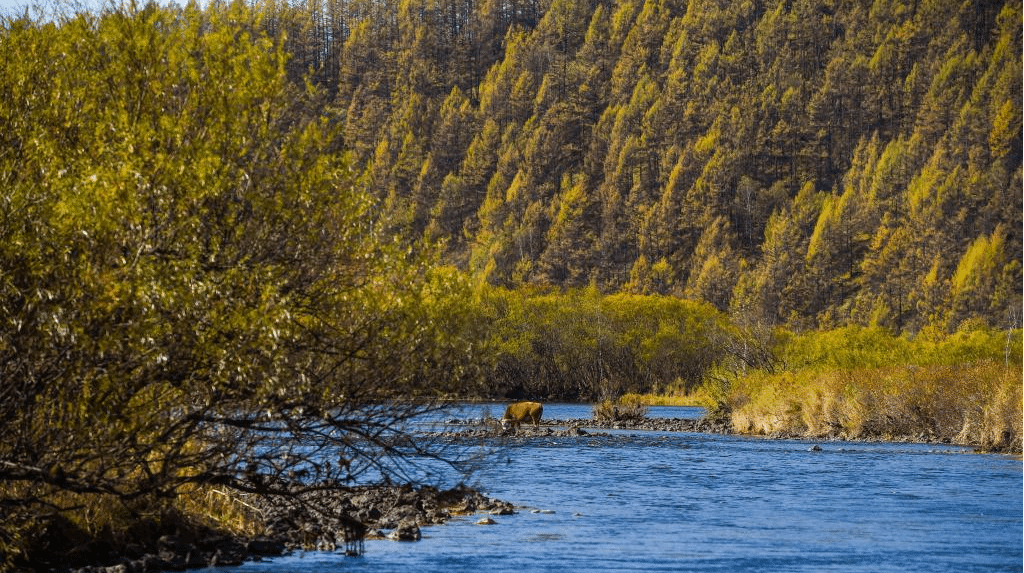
(248, 248)
(805, 163)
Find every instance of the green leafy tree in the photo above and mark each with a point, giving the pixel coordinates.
(188, 273)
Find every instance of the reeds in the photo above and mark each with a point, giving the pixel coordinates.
(972, 404)
(957, 392)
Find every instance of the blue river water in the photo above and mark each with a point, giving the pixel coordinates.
(648, 501)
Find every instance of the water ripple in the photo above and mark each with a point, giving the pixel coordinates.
(693, 502)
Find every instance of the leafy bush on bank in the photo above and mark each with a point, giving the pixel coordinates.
(189, 273)
(582, 345)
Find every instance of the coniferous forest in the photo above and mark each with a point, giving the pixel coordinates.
(812, 164)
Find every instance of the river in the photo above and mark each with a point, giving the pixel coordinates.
(648, 501)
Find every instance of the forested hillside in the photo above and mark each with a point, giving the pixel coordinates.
(229, 236)
(810, 163)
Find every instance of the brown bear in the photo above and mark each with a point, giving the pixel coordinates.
(522, 412)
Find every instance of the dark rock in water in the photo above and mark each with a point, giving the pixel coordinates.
(228, 557)
(815, 448)
(173, 544)
(406, 531)
(265, 547)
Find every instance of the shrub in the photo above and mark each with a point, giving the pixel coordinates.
(582, 345)
(628, 408)
(191, 278)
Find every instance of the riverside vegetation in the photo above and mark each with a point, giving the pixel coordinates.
(857, 383)
(225, 225)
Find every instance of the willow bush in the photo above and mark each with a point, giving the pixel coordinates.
(583, 345)
(189, 275)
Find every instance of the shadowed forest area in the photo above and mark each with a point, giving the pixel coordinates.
(229, 229)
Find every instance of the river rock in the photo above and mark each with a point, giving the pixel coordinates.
(173, 544)
(175, 554)
(398, 515)
(228, 556)
(346, 515)
(265, 547)
(406, 531)
(486, 521)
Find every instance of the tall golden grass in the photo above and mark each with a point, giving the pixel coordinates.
(697, 397)
(958, 392)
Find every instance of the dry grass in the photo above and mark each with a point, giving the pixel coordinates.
(978, 403)
(695, 398)
(221, 508)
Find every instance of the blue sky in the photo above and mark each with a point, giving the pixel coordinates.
(6, 6)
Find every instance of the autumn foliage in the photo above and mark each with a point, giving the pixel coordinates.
(224, 226)
(807, 163)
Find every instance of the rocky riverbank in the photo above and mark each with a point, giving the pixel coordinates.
(346, 517)
(585, 427)
(574, 427)
(325, 520)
